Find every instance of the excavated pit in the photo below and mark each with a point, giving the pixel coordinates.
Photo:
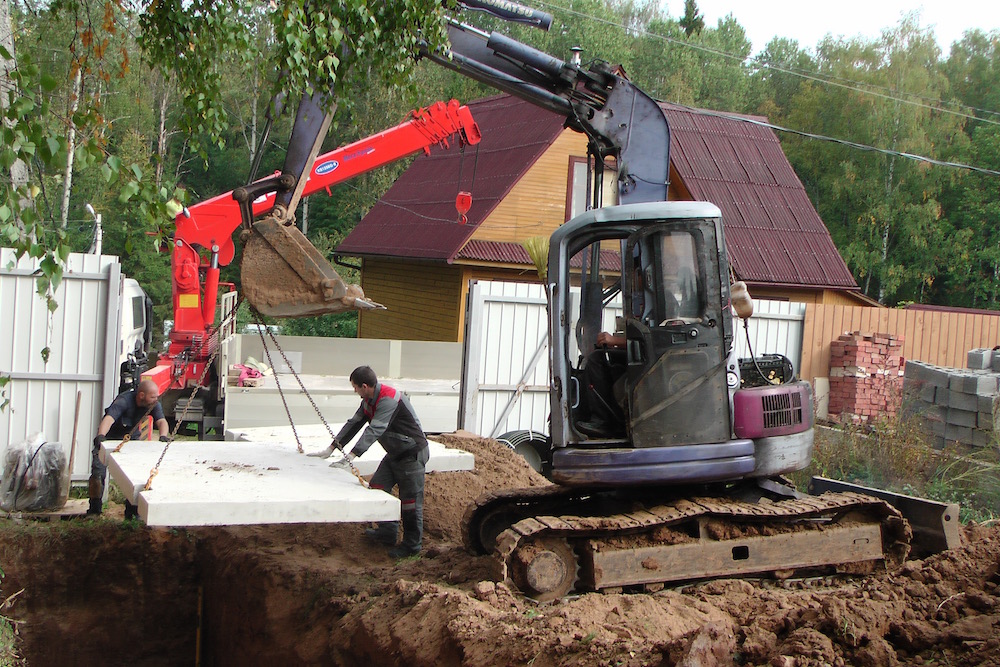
(105, 591)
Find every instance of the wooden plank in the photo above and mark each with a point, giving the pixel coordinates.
(530, 209)
(807, 366)
(752, 555)
(947, 333)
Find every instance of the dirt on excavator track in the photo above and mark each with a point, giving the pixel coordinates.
(87, 590)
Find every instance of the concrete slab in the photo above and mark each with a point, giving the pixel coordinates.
(435, 401)
(212, 483)
(315, 437)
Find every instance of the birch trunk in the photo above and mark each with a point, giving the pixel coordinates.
(74, 104)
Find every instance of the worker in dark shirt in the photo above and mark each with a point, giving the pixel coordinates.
(125, 416)
(392, 422)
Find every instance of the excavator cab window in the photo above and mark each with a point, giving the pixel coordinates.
(598, 363)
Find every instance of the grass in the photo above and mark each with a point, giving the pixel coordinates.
(894, 454)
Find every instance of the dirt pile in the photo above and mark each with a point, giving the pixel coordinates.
(315, 594)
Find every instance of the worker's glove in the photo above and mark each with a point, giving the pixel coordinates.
(344, 463)
(326, 452)
(98, 439)
(165, 438)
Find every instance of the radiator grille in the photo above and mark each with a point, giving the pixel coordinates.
(782, 410)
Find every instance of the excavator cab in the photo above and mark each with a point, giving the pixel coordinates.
(656, 277)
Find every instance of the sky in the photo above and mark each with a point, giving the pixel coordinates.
(809, 21)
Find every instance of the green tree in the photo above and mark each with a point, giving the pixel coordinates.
(884, 211)
(693, 22)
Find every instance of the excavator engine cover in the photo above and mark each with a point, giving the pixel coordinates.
(284, 275)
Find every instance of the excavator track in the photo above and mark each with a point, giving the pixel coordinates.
(546, 556)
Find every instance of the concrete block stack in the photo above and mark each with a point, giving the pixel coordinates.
(866, 372)
(957, 405)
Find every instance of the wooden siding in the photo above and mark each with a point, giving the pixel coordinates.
(423, 300)
(803, 295)
(536, 205)
(935, 337)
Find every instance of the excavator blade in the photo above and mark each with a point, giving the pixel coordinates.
(284, 275)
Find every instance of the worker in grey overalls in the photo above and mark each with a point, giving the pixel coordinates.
(393, 423)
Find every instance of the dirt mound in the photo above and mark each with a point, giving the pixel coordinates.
(446, 496)
(317, 594)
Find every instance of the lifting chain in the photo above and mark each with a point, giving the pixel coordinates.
(208, 364)
(261, 328)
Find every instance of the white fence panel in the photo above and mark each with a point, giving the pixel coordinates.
(505, 378)
(506, 358)
(82, 354)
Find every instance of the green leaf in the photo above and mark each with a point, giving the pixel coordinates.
(130, 190)
(49, 83)
(53, 145)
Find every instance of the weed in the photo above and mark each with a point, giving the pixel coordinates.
(589, 637)
(532, 613)
(894, 454)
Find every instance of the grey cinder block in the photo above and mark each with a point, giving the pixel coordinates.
(963, 401)
(957, 417)
(961, 434)
(980, 358)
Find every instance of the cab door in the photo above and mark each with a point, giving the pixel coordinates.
(674, 300)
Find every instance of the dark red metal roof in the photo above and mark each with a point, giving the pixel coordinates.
(514, 253)
(417, 216)
(774, 234)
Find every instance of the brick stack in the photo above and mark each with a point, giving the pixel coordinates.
(957, 405)
(866, 374)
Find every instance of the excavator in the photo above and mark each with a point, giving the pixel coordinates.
(690, 484)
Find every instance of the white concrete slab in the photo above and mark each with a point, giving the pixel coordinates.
(215, 483)
(435, 401)
(315, 437)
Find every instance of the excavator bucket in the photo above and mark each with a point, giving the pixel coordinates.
(284, 275)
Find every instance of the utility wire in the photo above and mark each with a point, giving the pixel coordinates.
(812, 77)
(843, 142)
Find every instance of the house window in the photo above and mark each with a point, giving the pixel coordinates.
(576, 191)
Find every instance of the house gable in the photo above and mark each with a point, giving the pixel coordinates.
(536, 205)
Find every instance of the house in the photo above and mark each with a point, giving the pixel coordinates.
(529, 175)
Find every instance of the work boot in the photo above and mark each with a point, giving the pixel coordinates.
(95, 507)
(412, 535)
(594, 428)
(384, 534)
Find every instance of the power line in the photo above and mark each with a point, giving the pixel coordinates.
(832, 81)
(843, 142)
